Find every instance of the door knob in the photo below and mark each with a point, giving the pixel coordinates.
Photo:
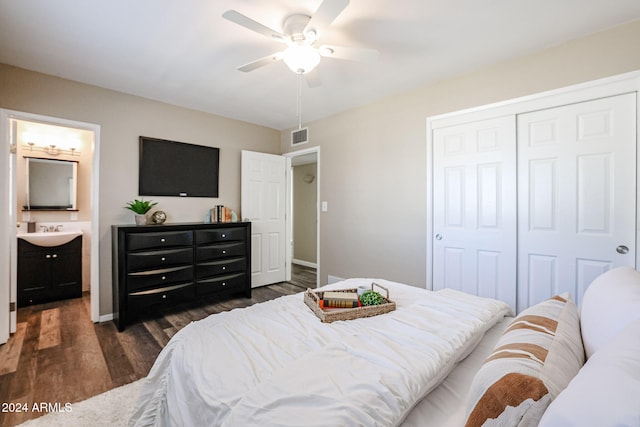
(438, 236)
(622, 249)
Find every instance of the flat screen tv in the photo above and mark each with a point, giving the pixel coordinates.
(171, 168)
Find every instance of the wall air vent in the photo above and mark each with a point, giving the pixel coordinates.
(300, 136)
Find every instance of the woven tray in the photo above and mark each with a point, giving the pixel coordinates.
(312, 299)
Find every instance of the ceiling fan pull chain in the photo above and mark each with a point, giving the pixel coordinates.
(299, 103)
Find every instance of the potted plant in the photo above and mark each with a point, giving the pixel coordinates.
(140, 208)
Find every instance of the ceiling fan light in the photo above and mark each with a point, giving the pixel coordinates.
(300, 58)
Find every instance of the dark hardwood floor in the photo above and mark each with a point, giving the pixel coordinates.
(57, 355)
(304, 277)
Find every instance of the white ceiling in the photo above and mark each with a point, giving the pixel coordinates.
(183, 52)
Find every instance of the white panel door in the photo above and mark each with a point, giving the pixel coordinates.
(577, 196)
(263, 203)
(474, 208)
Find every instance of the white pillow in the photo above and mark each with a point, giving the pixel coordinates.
(606, 391)
(610, 303)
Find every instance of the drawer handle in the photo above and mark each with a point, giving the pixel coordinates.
(164, 296)
(163, 259)
(224, 252)
(224, 268)
(164, 277)
(224, 283)
(47, 256)
(224, 235)
(54, 256)
(163, 240)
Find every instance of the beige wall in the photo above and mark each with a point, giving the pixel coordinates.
(122, 119)
(373, 167)
(305, 196)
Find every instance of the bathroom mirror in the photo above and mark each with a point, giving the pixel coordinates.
(51, 184)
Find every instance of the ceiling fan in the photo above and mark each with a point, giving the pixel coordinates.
(300, 33)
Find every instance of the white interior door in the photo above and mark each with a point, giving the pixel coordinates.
(577, 195)
(263, 199)
(474, 208)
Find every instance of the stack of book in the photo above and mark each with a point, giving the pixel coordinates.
(331, 299)
(220, 213)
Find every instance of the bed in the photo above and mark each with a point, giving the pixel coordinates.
(275, 363)
(442, 359)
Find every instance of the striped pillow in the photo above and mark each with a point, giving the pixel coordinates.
(534, 360)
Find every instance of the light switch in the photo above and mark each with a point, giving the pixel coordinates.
(325, 206)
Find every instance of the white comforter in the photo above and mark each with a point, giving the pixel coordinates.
(276, 364)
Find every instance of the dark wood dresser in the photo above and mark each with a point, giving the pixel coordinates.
(163, 264)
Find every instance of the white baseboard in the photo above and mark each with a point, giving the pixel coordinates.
(106, 318)
(304, 263)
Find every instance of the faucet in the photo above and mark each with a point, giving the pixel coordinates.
(50, 228)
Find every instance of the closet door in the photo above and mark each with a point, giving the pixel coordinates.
(474, 208)
(576, 195)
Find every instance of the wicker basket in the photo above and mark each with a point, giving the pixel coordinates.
(312, 299)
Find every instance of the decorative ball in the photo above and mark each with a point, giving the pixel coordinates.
(158, 217)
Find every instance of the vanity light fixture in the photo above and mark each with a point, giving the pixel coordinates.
(52, 149)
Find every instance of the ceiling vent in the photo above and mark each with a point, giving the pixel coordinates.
(300, 136)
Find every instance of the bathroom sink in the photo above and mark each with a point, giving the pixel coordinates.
(50, 238)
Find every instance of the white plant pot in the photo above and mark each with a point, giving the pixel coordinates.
(141, 219)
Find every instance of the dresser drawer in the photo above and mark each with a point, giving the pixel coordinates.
(158, 259)
(220, 235)
(225, 250)
(225, 266)
(166, 294)
(161, 277)
(161, 239)
(228, 283)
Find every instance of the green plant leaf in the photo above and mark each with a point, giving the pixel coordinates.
(140, 206)
(371, 298)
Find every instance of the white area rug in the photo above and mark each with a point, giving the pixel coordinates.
(111, 408)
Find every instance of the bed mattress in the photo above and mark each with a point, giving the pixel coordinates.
(275, 363)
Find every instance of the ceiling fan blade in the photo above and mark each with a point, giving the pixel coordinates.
(261, 62)
(250, 24)
(324, 16)
(350, 53)
(312, 78)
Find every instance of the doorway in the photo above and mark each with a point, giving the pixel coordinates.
(304, 223)
(267, 200)
(30, 135)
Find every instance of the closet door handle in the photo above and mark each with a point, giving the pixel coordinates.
(438, 236)
(622, 249)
